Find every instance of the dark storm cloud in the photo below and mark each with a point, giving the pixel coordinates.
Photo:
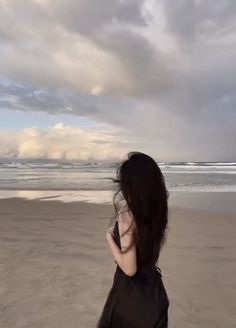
(56, 101)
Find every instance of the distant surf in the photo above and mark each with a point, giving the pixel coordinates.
(97, 175)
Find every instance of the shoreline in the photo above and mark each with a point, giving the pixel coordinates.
(77, 203)
(223, 202)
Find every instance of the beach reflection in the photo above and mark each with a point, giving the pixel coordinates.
(91, 196)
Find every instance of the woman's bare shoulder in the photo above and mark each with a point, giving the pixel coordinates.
(126, 219)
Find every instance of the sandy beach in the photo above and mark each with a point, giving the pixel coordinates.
(56, 268)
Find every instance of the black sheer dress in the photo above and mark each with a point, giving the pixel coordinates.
(139, 301)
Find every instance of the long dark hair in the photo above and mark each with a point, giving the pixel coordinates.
(142, 186)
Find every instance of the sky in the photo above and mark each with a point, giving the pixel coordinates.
(85, 79)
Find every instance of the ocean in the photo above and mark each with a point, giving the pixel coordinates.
(91, 180)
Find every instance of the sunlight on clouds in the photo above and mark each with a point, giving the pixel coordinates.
(31, 148)
(83, 64)
(42, 3)
(61, 142)
(96, 90)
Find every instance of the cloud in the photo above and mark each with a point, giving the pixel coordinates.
(87, 17)
(96, 90)
(197, 21)
(161, 72)
(62, 142)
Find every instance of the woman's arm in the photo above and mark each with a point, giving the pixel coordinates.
(126, 261)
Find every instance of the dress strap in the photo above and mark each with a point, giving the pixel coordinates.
(158, 269)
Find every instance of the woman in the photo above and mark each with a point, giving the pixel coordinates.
(137, 298)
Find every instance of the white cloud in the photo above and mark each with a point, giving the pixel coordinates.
(62, 142)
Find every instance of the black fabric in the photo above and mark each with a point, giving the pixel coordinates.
(139, 301)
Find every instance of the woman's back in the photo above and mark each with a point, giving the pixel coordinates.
(138, 297)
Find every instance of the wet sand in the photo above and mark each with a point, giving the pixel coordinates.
(56, 268)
